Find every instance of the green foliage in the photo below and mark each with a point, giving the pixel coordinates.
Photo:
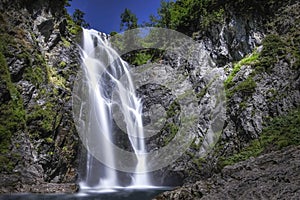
(246, 87)
(44, 116)
(54, 77)
(117, 41)
(248, 60)
(276, 48)
(66, 43)
(12, 114)
(172, 130)
(281, 132)
(62, 64)
(196, 146)
(173, 109)
(144, 43)
(141, 58)
(294, 50)
(78, 18)
(164, 13)
(6, 164)
(187, 16)
(198, 162)
(171, 127)
(67, 3)
(273, 50)
(113, 33)
(128, 20)
(49, 140)
(72, 27)
(35, 75)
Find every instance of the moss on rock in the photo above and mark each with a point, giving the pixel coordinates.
(281, 132)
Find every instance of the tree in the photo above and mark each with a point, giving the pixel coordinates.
(128, 20)
(67, 3)
(164, 13)
(78, 18)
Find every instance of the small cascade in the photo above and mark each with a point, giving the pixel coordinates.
(102, 69)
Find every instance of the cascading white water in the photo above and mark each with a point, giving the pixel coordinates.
(102, 68)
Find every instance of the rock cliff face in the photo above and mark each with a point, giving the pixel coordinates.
(256, 54)
(259, 53)
(39, 59)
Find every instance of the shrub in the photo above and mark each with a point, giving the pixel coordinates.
(246, 87)
(248, 60)
(274, 48)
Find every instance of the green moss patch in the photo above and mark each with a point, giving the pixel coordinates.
(12, 116)
(247, 87)
(279, 47)
(281, 132)
(248, 60)
(46, 118)
(172, 130)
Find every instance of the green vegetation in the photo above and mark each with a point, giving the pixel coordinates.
(35, 75)
(128, 20)
(141, 58)
(12, 114)
(248, 60)
(172, 130)
(196, 146)
(72, 27)
(55, 78)
(281, 132)
(187, 16)
(171, 127)
(78, 18)
(35, 71)
(275, 48)
(173, 110)
(198, 161)
(46, 118)
(49, 140)
(66, 43)
(62, 64)
(246, 87)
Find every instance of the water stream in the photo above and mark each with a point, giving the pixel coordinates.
(102, 68)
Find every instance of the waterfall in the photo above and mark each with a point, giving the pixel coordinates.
(102, 69)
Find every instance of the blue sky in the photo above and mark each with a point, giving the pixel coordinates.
(104, 15)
